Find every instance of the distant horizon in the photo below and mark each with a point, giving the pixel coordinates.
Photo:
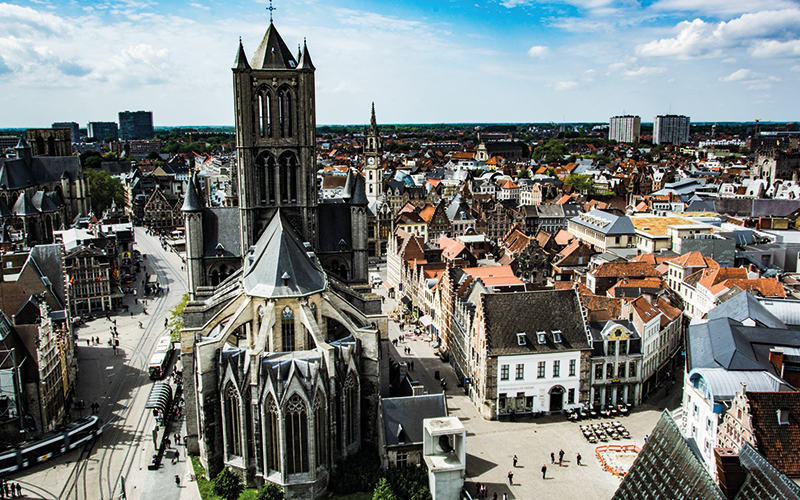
(461, 61)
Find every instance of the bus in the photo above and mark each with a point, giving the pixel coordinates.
(161, 358)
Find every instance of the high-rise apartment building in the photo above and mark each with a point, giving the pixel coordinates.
(135, 125)
(671, 129)
(102, 130)
(74, 129)
(625, 128)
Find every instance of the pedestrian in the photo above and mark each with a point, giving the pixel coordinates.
(19, 490)
(645, 438)
(178, 480)
(177, 456)
(494, 497)
(115, 322)
(166, 322)
(477, 489)
(579, 459)
(515, 460)
(168, 442)
(510, 477)
(505, 496)
(560, 457)
(87, 342)
(552, 458)
(544, 471)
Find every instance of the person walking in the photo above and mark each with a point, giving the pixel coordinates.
(515, 460)
(552, 458)
(560, 457)
(579, 459)
(505, 496)
(19, 490)
(544, 471)
(178, 480)
(494, 497)
(510, 477)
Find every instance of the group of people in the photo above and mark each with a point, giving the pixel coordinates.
(481, 491)
(9, 490)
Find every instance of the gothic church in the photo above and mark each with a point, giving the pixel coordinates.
(283, 356)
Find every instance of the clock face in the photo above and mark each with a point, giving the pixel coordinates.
(371, 160)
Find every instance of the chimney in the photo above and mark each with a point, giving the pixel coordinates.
(776, 358)
(730, 473)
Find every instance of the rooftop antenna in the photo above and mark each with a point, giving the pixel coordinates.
(270, 9)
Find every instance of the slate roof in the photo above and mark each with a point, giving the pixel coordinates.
(221, 225)
(402, 417)
(779, 444)
(334, 225)
(193, 201)
(49, 262)
(280, 251)
(507, 314)
(745, 306)
(272, 52)
(24, 206)
(763, 479)
(605, 223)
(726, 343)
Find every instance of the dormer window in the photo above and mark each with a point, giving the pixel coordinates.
(557, 336)
(541, 337)
(783, 416)
(521, 340)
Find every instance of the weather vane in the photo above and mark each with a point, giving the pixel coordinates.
(270, 9)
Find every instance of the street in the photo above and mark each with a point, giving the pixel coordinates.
(118, 381)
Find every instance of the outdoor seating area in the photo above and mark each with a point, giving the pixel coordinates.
(604, 431)
(593, 412)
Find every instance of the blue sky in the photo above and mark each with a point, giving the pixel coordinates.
(419, 61)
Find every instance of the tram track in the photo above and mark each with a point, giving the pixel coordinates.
(115, 422)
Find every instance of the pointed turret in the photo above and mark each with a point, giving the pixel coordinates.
(373, 123)
(347, 192)
(359, 196)
(305, 58)
(272, 52)
(23, 150)
(194, 200)
(241, 58)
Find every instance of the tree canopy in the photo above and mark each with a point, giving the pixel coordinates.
(580, 182)
(228, 484)
(383, 491)
(104, 189)
(550, 151)
(175, 324)
(270, 491)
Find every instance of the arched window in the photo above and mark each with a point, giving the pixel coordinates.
(296, 435)
(285, 111)
(51, 146)
(272, 437)
(266, 179)
(350, 395)
(287, 329)
(319, 430)
(288, 172)
(233, 431)
(214, 277)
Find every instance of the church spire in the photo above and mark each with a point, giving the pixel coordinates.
(272, 52)
(373, 123)
(241, 58)
(305, 58)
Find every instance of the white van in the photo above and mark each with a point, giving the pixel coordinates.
(375, 279)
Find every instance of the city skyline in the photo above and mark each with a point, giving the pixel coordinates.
(510, 61)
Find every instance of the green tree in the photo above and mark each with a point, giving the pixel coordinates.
(228, 484)
(92, 162)
(523, 174)
(383, 491)
(270, 491)
(104, 189)
(580, 182)
(175, 324)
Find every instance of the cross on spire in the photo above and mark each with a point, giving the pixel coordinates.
(270, 9)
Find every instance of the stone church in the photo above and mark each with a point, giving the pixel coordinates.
(283, 357)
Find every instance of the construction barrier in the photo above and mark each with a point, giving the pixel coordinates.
(612, 468)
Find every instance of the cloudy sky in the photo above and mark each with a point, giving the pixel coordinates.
(420, 61)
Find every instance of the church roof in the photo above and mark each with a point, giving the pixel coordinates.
(278, 253)
(23, 206)
(241, 58)
(221, 225)
(46, 202)
(272, 52)
(193, 202)
(305, 59)
(359, 196)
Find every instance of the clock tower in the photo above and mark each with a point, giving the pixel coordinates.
(373, 171)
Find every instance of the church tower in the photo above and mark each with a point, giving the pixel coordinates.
(372, 160)
(275, 138)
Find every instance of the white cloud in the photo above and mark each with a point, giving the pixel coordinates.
(566, 85)
(200, 6)
(763, 33)
(742, 74)
(644, 72)
(795, 68)
(720, 8)
(538, 51)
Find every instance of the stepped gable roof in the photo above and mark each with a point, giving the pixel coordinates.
(24, 206)
(272, 52)
(279, 253)
(548, 311)
(221, 225)
(241, 58)
(778, 443)
(402, 417)
(744, 306)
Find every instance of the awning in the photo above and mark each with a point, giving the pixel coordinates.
(388, 285)
(426, 321)
(160, 397)
(405, 300)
